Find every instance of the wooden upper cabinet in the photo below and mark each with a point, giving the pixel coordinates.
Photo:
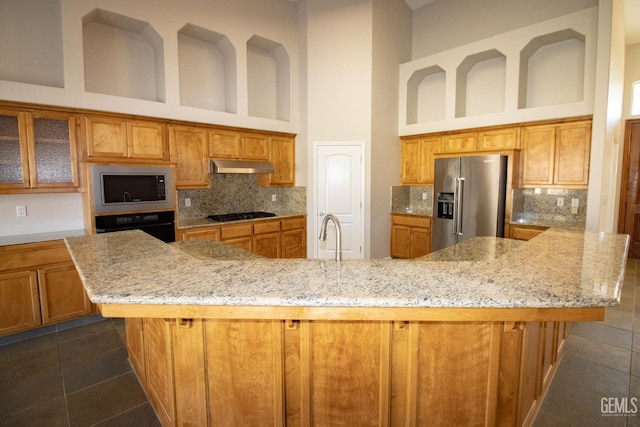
(417, 165)
(106, 137)
(38, 151)
(282, 156)
(460, 143)
(146, 140)
(188, 146)
(224, 144)
(411, 167)
(556, 155)
(499, 139)
(538, 144)
(254, 146)
(573, 146)
(119, 138)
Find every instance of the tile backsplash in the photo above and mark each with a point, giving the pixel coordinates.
(527, 203)
(542, 204)
(240, 193)
(410, 199)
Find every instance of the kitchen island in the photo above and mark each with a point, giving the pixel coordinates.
(469, 337)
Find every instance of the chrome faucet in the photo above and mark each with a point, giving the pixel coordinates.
(323, 233)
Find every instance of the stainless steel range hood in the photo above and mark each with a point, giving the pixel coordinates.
(240, 166)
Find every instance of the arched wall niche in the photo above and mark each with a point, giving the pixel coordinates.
(552, 70)
(123, 56)
(207, 70)
(268, 79)
(426, 95)
(480, 84)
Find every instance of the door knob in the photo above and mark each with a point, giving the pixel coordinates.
(321, 214)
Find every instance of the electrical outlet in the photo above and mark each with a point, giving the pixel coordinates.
(187, 202)
(21, 211)
(575, 203)
(560, 201)
(273, 197)
(424, 195)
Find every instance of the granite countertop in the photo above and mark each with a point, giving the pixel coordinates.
(476, 249)
(203, 222)
(209, 249)
(557, 269)
(21, 239)
(538, 221)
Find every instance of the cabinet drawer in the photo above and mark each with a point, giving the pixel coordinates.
(266, 227)
(33, 255)
(411, 221)
(293, 223)
(525, 233)
(233, 231)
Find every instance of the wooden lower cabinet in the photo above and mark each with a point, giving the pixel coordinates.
(266, 239)
(294, 237)
(525, 232)
(19, 302)
(284, 238)
(410, 236)
(62, 295)
(39, 285)
(366, 373)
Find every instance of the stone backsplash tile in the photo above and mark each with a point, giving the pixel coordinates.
(410, 199)
(542, 204)
(239, 193)
(527, 203)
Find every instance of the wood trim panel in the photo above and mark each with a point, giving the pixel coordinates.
(354, 313)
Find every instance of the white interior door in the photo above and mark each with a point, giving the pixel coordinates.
(340, 191)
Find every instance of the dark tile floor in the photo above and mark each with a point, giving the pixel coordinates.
(72, 377)
(601, 363)
(81, 376)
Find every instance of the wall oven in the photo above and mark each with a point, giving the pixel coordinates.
(134, 197)
(158, 224)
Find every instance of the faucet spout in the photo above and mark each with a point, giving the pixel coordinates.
(323, 233)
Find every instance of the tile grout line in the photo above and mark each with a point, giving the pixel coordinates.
(64, 387)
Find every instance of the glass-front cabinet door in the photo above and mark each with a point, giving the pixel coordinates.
(52, 150)
(37, 151)
(14, 165)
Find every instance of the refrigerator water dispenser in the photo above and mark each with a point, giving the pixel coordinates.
(445, 205)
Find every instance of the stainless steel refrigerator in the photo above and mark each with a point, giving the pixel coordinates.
(469, 195)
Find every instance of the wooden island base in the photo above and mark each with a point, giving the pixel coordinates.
(226, 372)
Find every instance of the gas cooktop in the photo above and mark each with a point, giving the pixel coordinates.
(240, 216)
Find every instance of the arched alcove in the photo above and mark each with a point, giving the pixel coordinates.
(122, 56)
(268, 79)
(480, 84)
(31, 42)
(208, 70)
(552, 70)
(426, 95)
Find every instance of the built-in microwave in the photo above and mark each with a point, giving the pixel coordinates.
(132, 188)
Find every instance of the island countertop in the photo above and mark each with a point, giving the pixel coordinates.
(559, 269)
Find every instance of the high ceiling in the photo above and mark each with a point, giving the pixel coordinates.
(631, 17)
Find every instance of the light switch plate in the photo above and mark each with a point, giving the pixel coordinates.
(560, 201)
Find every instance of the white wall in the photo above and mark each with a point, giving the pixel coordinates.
(631, 74)
(391, 46)
(239, 20)
(45, 213)
(604, 176)
(443, 25)
(338, 80)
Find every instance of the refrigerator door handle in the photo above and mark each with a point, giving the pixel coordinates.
(458, 196)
